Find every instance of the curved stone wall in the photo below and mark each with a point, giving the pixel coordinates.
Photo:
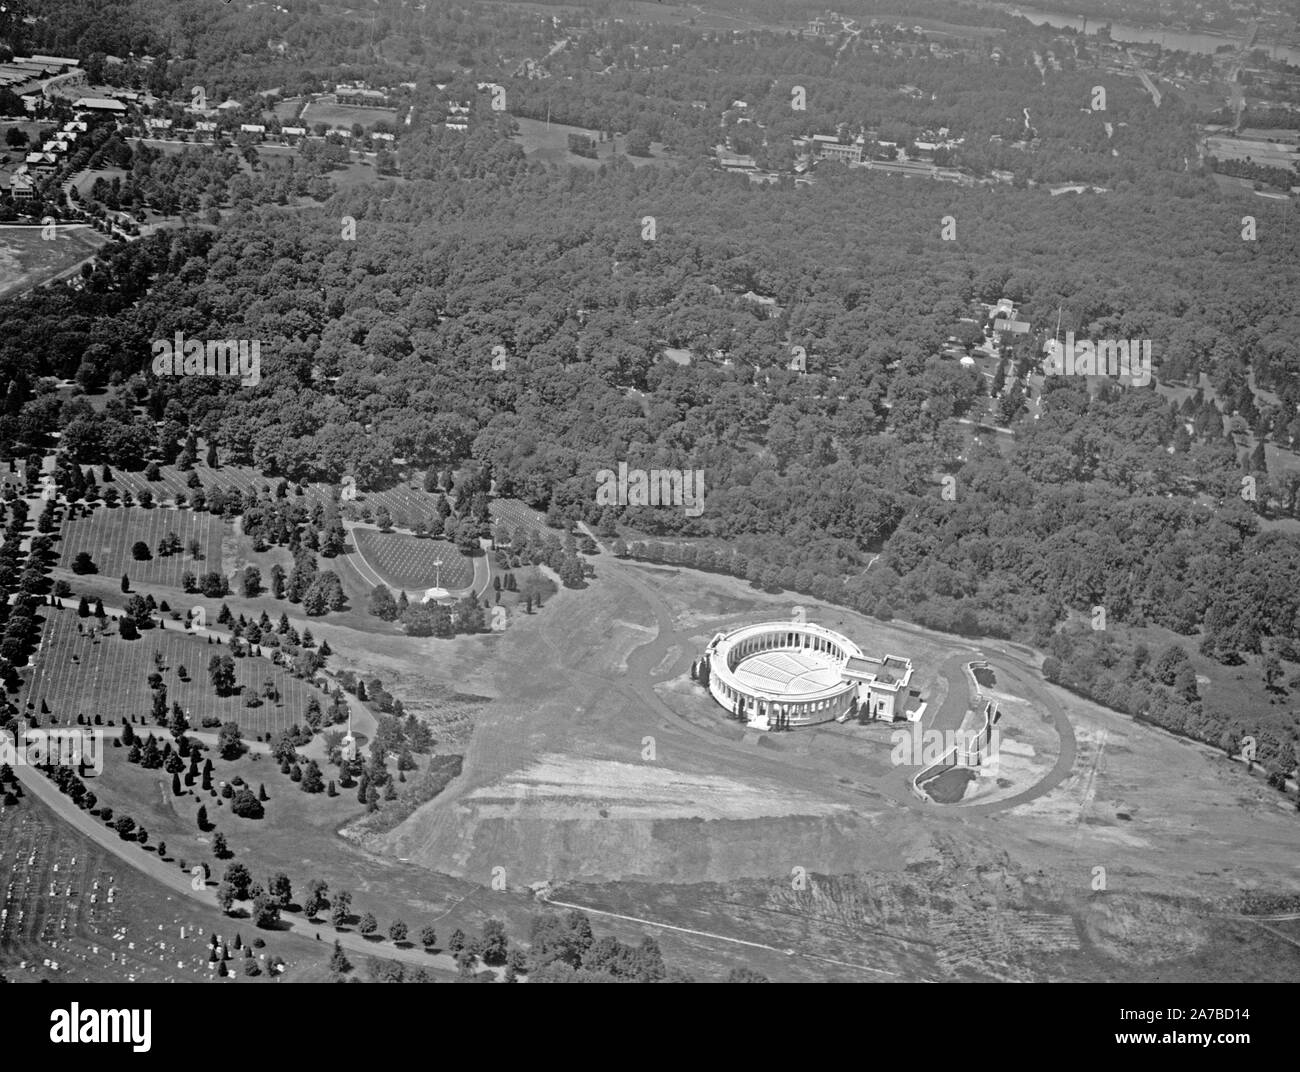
(727, 651)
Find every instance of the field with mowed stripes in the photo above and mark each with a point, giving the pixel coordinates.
(172, 480)
(77, 673)
(408, 562)
(406, 503)
(109, 533)
(513, 514)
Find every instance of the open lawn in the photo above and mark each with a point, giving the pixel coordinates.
(298, 835)
(287, 110)
(16, 476)
(172, 480)
(360, 173)
(551, 144)
(271, 155)
(76, 672)
(27, 260)
(408, 562)
(109, 533)
(341, 115)
(405, 503)
(84, 180)
(76, 913)
(513, 514)
(704, 830)
(1260, 150)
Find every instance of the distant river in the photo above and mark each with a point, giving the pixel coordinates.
(1173, 39)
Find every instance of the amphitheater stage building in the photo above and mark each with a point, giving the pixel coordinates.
(786, 674)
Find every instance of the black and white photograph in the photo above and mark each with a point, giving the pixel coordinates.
(623, 491)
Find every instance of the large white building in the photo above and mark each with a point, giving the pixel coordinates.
(798, 673)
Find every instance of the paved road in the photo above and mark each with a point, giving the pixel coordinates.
(37, 785)
(147, 863)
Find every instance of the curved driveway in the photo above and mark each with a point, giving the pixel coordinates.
(642, 677)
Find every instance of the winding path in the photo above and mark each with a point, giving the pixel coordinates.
(37, 785)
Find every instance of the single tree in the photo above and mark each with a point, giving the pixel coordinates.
(341, 909)
(240, 880)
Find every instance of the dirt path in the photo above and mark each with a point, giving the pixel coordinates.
(717, 937)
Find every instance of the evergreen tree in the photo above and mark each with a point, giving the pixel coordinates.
(312, 782)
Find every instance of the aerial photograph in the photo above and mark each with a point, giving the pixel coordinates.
(622, 491)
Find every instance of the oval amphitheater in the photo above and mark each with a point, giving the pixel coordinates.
(779, 675)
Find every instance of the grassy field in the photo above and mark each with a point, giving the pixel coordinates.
(1258, 149)
(408, 563)
(102, 674)
(172, 480)
(26, 260)
(31, 128)
(272, 155)
(109, 533)
(705, 833)
(514, 514)
(86, 179)
(75, 913)
(341, 115)
(286, 110)
(405, 503)
(551, 144)
(299, 835)
(360, 173)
